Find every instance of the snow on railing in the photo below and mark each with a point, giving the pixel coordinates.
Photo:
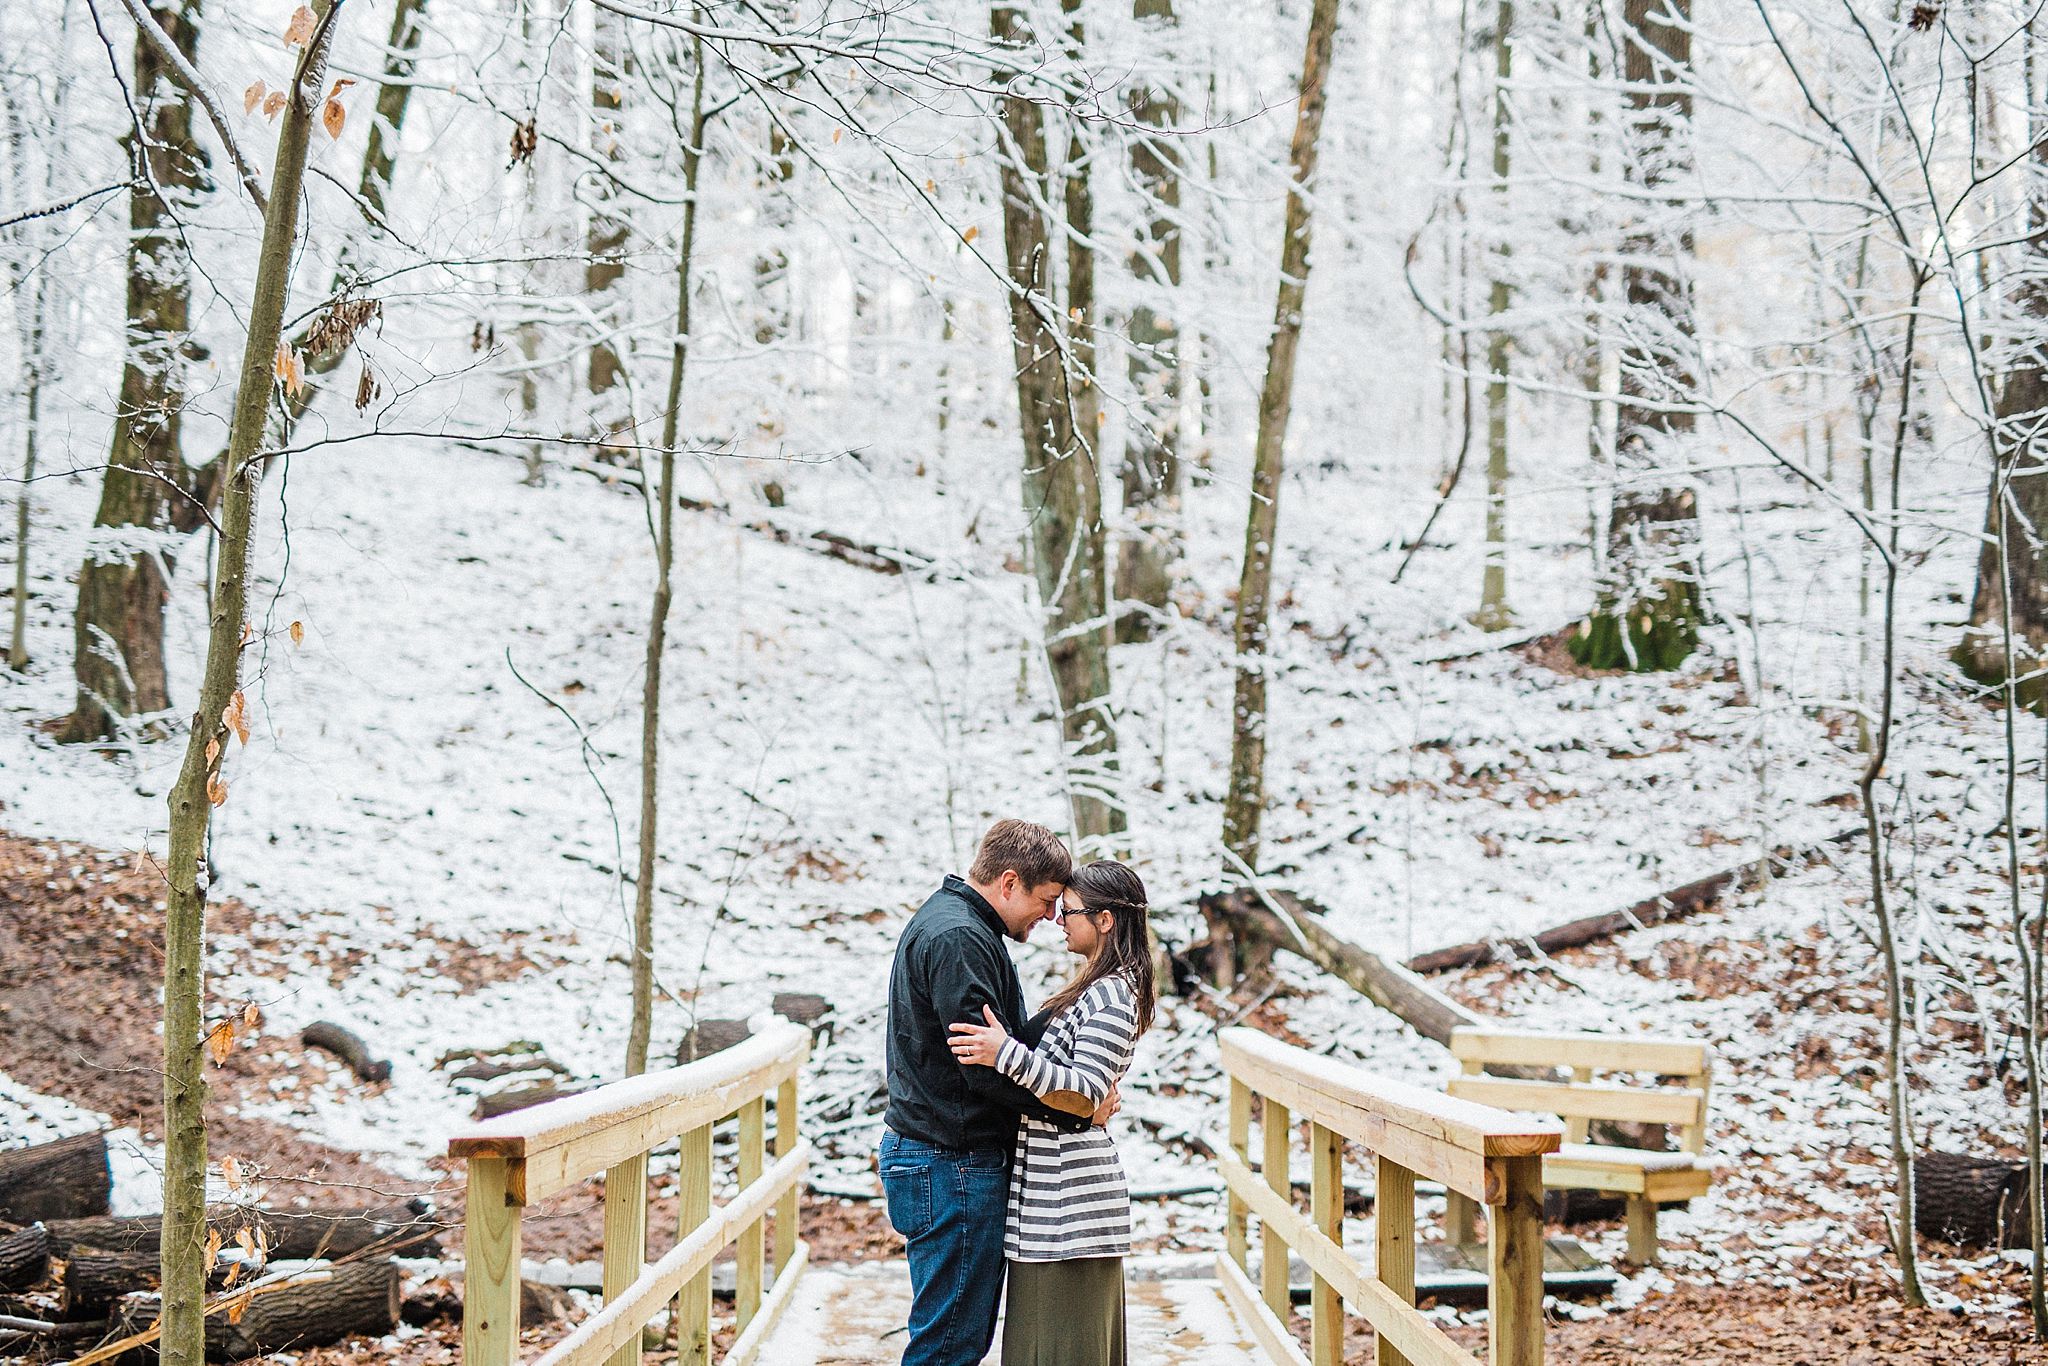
(1485, 1154)
(522, 1158)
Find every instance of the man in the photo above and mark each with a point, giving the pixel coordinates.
(945, 1156)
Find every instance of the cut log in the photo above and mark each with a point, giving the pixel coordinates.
(24, 1257)
(95, 1281)
(391, 1230)
(348, 1046)
(67, 1179)
(494, 1103)
(706, 1037)
(1676, 904)
(1295, 924)
(1974, 1202)
(320, 1307)
(812, 1011)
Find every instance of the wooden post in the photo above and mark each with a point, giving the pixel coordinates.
(1272, 1246)
(625, 1239)
(1240, 1143)
(1326, 1208)
(753, 1152)
(785, 1144)
(1514, 1270)
(693, 1305)
(1576, 1127)
(1461, 1216)
(1642, 1230)
(490, 1283)
(1394, 1234)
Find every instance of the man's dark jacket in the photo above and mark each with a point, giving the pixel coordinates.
(950, 963)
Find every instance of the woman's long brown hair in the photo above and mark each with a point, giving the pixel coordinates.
(1127, 952)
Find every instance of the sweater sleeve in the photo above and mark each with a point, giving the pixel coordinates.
(1103, 1039)
(965, 975)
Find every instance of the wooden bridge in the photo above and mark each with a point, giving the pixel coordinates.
(854, 1317)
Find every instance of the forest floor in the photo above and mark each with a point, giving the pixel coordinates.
(77, 1011)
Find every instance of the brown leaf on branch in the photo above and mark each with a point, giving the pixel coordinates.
(333, 117)
(298, 633)
(216, 791)
(253, 95)
(252, 1015)
(220, 1042)
(300, 30)
(231, 1172)
(235, 716)
(273, 103)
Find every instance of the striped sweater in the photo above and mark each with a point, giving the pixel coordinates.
(1067, 1192)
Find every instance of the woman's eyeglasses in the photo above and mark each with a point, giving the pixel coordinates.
(1062, 911)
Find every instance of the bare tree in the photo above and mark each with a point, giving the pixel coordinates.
(1647, 612)
(663, 507)
(1056, 405)
(1494, 613)
(1151, 470)
(1244, 805)
(200, 785)
(123, 584)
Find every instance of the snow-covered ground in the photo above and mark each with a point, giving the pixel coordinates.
(444, 771)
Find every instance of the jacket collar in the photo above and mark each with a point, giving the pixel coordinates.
(964, 889)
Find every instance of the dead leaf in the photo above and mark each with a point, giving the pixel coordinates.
(273, 103)
(238, 1308)
(216, 791)
(236, 716)
(252, 95)
(234, 1274)
(333, 117)
(220, 1042)
(344, 83)
(248, 632)
(252, 1015)
(212, 1245)
(243, 1240)
(970, 234)
(231, 1172)
(836, 132)
(298, 633)
(301, 27)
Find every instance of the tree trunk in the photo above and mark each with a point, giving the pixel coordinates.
(1244, 806)
(17, 644)
(123, 583)
(1151, 472)
(200, 786)
(1494, 613)
(657, 625)
(64, 1179)
(1647, 611)
(605, 235)
(1062, 484)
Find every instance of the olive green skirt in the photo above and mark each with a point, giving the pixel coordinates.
(1065, 1313)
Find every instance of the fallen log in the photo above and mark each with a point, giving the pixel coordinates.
(345, 1044)
(1676, 904)
(24, 1257)
(1973, 1202)
(1286, 921)
(61, 1180)
(95, 1281)
(315, 1308)
(491, 1104)
(706, 1037)
(288, 1235)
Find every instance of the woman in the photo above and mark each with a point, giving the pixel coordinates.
(1069, 1222)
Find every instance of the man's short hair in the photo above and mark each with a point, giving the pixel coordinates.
(1033, 851)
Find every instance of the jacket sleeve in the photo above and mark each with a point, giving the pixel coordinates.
(965, 975)
(1107, 1033)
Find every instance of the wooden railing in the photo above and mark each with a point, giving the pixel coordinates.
(520, 1159)
(1493, 1157)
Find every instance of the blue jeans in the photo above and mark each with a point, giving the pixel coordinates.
(949, 1205)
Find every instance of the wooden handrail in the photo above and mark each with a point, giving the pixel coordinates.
(1665, 1056)
(1486, 1153)
(519, 1159)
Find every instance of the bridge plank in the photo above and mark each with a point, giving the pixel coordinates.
(1592, 1100)
(1665, 1056)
